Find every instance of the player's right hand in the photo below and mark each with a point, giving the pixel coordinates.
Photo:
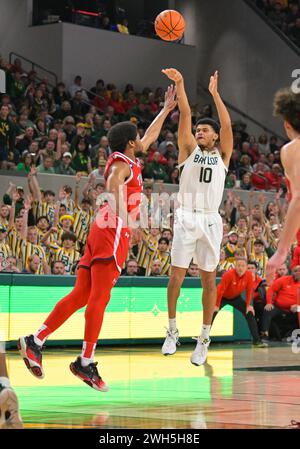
(173, 75)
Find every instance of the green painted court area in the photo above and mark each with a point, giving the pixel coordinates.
(148, 390)
(78, 405)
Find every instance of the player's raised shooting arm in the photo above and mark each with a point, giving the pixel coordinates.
(118, 174)
(186, 141)
(153, 132)
(226, 134)
(290, 157)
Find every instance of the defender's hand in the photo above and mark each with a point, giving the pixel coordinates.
(170, 102)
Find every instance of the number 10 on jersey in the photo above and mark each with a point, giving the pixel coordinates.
(205, 175)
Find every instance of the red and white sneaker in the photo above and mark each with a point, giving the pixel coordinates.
(88, 374)
(32, 355)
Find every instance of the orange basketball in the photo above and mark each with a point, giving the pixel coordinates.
(169, 25)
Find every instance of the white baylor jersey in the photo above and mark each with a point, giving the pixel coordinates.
(202, 181)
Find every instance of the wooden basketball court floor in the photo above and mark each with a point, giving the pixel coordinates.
(239, 387)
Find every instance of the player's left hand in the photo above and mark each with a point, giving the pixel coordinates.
(170, 102)
(273, 264)
(213, 84)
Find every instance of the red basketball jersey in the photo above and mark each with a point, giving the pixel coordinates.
(133, 186)
(109, 235)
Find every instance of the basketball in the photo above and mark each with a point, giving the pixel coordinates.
(169, 25)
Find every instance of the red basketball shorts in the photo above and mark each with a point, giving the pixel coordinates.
(106, 243)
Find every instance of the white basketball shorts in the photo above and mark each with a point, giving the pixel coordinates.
(197, 236)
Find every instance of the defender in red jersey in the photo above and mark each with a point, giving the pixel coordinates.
(105, 251)
(109, 236)
(287, 106)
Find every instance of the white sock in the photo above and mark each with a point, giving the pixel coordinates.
(4, 381)
(205, 332)
(37, 341)
(172, 324)
(85, 361)
(41, 335)
(88, 352)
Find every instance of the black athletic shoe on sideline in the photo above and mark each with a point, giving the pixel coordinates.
(32, 355)
(88, 374)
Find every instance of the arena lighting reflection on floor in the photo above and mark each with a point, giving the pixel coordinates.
(148, 390)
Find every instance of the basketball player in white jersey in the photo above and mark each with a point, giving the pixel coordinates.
(198, 228)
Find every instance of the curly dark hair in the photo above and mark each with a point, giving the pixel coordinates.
(120, 134)
(287, 106)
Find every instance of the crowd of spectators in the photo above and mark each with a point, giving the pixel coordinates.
(63, 131)
(97, 14)
(285, 14)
